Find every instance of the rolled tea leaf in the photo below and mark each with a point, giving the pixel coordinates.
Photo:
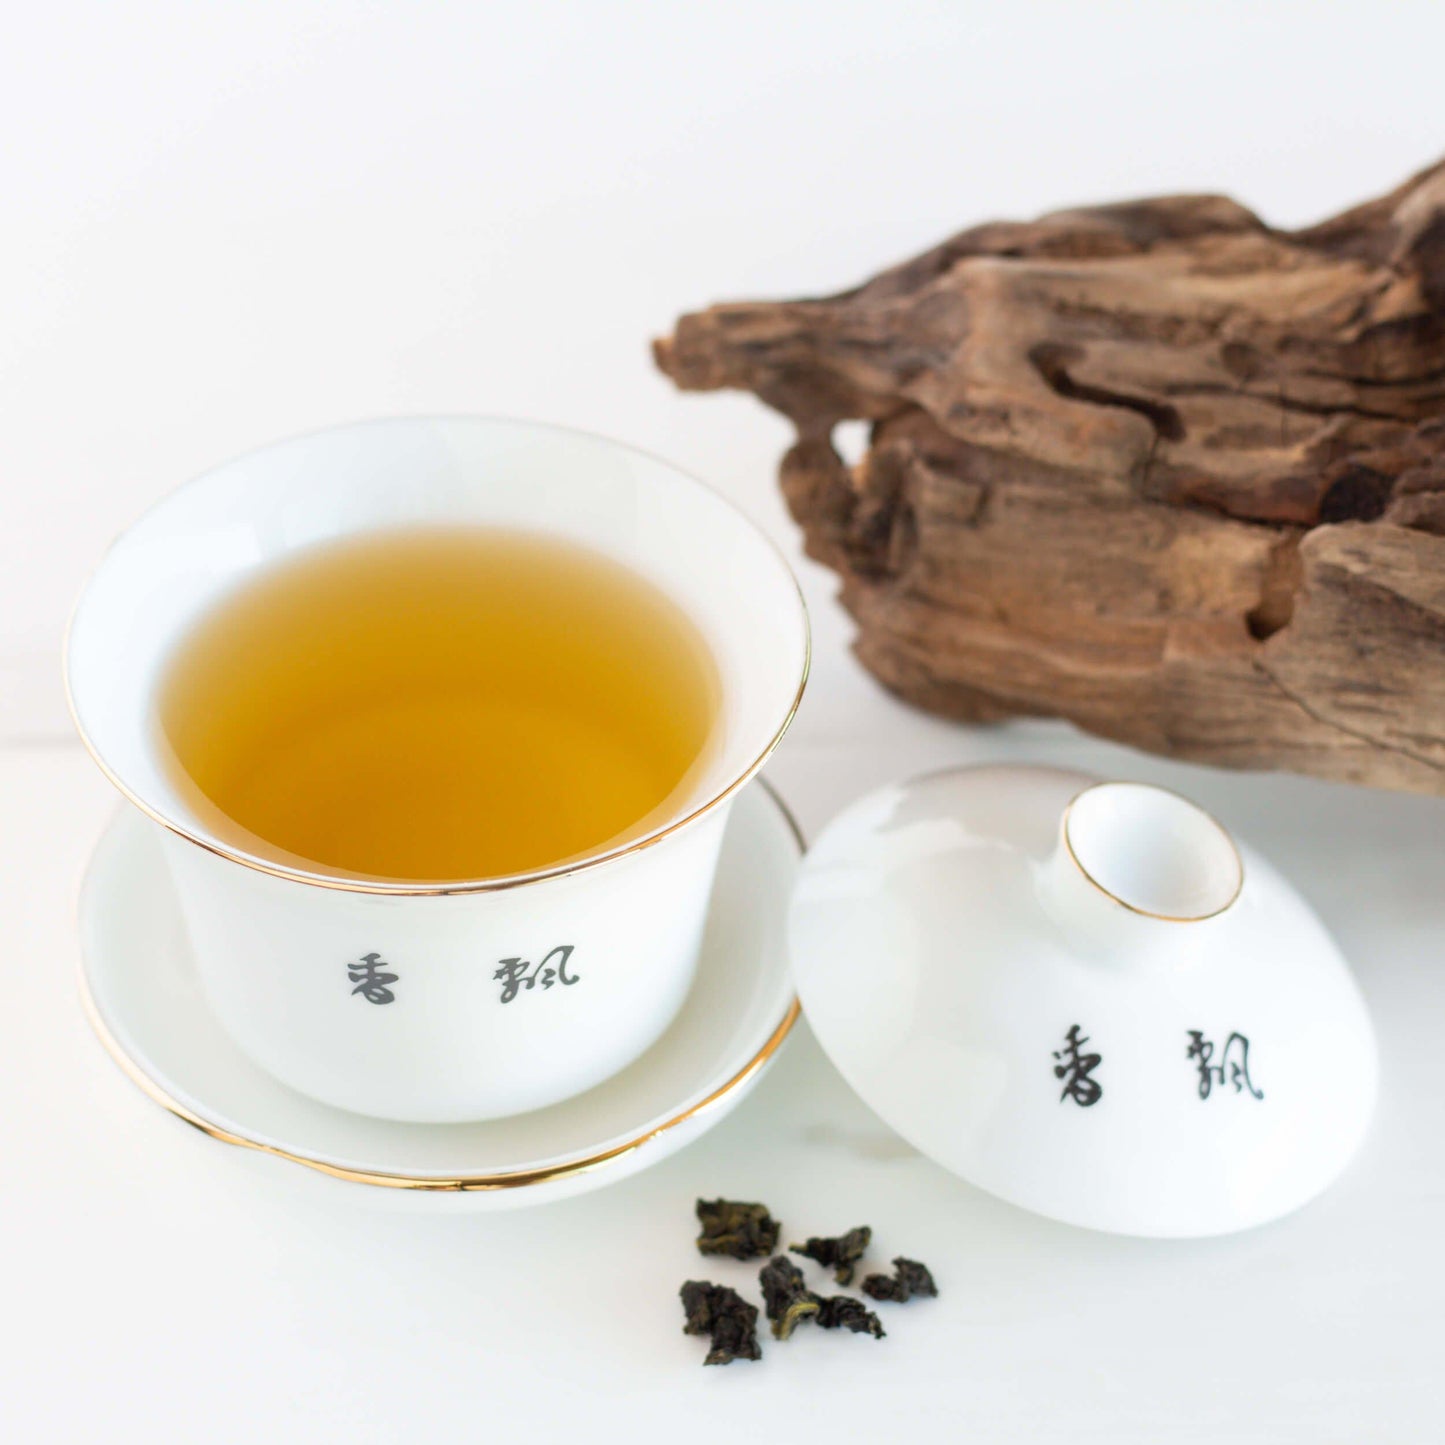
(843, 1312)
(735, 1229)
(721, 1313)
(786, 1298)
(839, 1254)
(909, 1278)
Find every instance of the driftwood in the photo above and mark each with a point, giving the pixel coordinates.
(1155, 467)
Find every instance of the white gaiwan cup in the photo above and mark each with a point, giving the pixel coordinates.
(1084, 998)
(442, 1001)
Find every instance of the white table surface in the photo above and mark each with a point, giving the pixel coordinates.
(226, 224)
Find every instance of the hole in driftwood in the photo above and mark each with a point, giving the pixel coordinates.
(1281, 582)
(1358, 494)
(1266, 619)
(1052, 360)
(850, 440)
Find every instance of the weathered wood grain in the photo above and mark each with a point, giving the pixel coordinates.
(1156, 467)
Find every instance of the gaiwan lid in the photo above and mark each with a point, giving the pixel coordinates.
(1085, 998)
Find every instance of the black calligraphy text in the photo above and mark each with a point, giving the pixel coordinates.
(514, 975)
(371, 979)
(1076, 1069)
(1232, 1068)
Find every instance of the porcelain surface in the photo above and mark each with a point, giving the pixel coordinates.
(145, 996)
(1084, 999)
(392, 997)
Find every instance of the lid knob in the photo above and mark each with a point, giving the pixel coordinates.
(1133, 862)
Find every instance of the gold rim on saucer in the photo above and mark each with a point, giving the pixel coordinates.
(423, 1183)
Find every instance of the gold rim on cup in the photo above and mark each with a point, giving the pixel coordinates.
(483, 885)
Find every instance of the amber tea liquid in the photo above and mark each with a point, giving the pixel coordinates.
(438, 704)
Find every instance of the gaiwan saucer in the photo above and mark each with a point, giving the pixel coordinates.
(141, 992)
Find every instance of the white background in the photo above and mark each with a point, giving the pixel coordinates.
(223, 223)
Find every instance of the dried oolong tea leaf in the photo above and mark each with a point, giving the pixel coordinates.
(789, 1302)
(786, 1297)
(741, 1231)
(840, 1254)
(722, 1313)
(908, 1279)
(843, 1312)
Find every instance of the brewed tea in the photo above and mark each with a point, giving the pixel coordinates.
(436, 704)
